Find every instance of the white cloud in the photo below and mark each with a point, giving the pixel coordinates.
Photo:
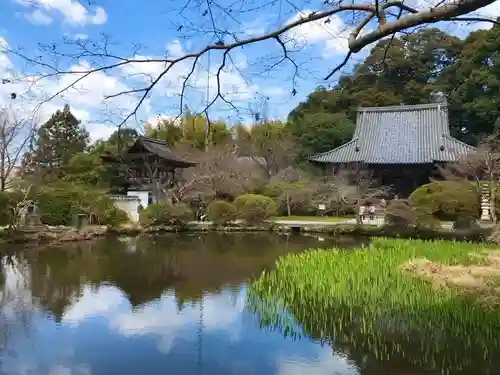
(326, 363)
(38, 17)
(232, 85)
(86, 98)
(100, 17)
(332, 35)
(72, 11)
(93, 303)
(156, 120)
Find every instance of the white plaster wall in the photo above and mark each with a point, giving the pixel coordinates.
(142, 195)
(130, 206)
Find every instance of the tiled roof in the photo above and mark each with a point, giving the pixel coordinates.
(417, 134)
(161, 149)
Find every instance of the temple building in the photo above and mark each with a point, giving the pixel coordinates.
(144, 172)
(400, 145)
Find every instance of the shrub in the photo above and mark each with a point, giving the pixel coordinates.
(255, 208)
(447, 200)
(104, 212)
(221, 212)
(165, 214)
(58, 203)
(180, 214)
(154, 214)
(400, 213)
(466, 223)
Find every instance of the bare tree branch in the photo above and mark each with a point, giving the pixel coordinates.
(390, 17)
(15, 136)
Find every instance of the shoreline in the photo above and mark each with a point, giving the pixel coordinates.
(63, 234)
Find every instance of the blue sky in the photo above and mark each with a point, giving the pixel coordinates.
(151, 29)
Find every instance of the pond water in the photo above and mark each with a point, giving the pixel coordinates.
(174, 304)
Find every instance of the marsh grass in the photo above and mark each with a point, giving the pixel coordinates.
(363, 299)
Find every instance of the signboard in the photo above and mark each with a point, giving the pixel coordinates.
(322, 207)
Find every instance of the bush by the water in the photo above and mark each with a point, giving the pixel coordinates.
(447, 200)
(380, 295)
(254, 208)
(58, 203)
(401, 214)
(166, 214)
(466, 223)
(221, 212)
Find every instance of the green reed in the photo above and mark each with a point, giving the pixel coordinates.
(362, 297)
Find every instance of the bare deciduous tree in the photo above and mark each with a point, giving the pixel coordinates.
(351, 188)
(15, 138)
(366, 22)
(219, 172)
(269, 145)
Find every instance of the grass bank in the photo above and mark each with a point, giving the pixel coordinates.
(437, 300)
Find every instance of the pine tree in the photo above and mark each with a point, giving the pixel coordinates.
(61, 137)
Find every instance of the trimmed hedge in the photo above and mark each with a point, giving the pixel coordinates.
(254, 208)
(447, 200)
(166, 214)
(221, 212)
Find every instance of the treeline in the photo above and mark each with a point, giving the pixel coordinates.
(260, 160)
(426, 66)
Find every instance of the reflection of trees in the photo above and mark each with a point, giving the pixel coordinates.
(190, 265)
(57, 274)
(142, 275)
(389, 345)
(16, 305)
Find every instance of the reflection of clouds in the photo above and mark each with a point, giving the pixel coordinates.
(55, 369)
(326, 363)
(159, 318)
(162, 319)
(76, 370)
(103, 301)
(15, 294)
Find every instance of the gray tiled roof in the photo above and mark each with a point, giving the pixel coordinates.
(416, 134)
(161, 149)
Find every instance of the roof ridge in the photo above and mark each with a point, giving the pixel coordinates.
(153, 140)
(401, 108)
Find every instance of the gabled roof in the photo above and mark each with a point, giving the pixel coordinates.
(413, 134)
(156, 147)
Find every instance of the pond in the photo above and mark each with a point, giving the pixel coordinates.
(173, 304)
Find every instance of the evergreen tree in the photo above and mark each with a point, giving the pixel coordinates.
(61, 137)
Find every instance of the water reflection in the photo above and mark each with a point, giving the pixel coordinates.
(393, 343)
(175, 304)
